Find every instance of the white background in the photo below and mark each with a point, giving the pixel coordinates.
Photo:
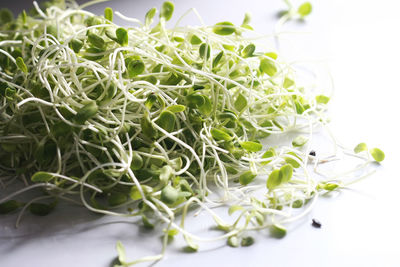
(359, 42)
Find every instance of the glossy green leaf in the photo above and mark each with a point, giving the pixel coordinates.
(96, 53)
(167, 10)
(330, 186)
(360, 147)
(224, 28)
(149, 16)
(151, 99)
(233, 241)
(247, 241)
(217, 59)
(135, 193)
(176, 108)
(267, 66)
(121, 252)
(137, 161)
(272, 55)
(195, 40)
(247, 177)
(86, 112)
(286, 173)
(122, 36)
(277, 231)
(251, 146)
(76, 45)
(147, 128)
(108, 13)
(21, 64)
(291, 161)
(205, 108)
(248, 50)
(322, 99)
(240, 102)
(169, 195)
(40, 209)
(9, 206)
(234, 208)
(6, 16)
(377, 154)
(96, 40)
(247, 18)
(219, 135)
(205, 51)
(287, 83)
(41, 177)
(167, 120)
(166, 172)
(304, 9)
(274, 179)
(269, 154)
(117, 198)
(135, 67)
(299, 141)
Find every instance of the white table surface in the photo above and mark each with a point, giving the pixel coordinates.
(359, 41)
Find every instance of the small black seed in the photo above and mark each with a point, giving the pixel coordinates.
(312, 153)
(316, 223)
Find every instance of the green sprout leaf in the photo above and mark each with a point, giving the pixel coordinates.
(247, 177)
(291, 161)
(286, 173)
(6, 16)
(86, 112)
(9, 206)
(108, 14)
(167, 120)
(322, 99)
(234, 208)
(117, 198)
(304, 9)
(205, 51)
(167, 10)
(135, 67)
(299, 141)
(233, 241)
(176, 108)
(247, 241)
(219, 135)
(267, 66)
(39, 177)
(169, 195)
(40, 209)
(251, 146)
(149, 16)
(287, 83)
(122, 36)
(360, 147)
(377, 154)
(121, 252)
(240, 103)
(21, 64)
(76, 45)
(217, 59)
(195, 40)
(248, 50)
(96, 40)
(224, 28)
(279, 176)
(147, 128)
(277, 231)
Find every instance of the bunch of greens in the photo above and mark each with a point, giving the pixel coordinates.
(152, 122)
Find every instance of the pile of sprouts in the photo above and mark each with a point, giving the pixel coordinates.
(151, 122)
